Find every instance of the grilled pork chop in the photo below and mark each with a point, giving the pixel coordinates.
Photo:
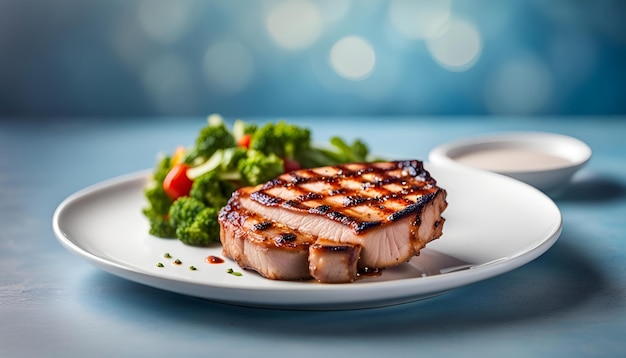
(339, 219)
(280, 253)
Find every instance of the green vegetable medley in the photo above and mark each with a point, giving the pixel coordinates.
(191, 185)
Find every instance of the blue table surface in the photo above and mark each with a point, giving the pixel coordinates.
(570, 302)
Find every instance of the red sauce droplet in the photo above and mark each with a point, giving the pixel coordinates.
(214, 260)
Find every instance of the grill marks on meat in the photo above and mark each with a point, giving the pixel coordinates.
(364, 215)
(357, 193)
(274, 250)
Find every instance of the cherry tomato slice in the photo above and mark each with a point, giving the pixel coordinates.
(290, 165)
(176, 183)
(244, 141)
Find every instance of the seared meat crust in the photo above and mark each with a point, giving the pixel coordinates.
(384, 213)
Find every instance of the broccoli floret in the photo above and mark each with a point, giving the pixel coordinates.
(161, 168)
(194, 223)
(161, 227)
(282, 139)
(211, 190)
(203, 231)
(184, 210)
(257, 168)
(211, 138)
(156, 211)
(293, 142)
(158, 201)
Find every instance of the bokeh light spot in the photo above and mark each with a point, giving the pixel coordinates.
(353, 58)
(294, 24)
(228, 66)
(419, 19)
(459, 46)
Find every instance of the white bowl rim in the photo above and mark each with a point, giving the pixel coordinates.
(577, 152)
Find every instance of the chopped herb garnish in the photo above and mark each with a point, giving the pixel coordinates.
(178, 262)
(167, 255)
(192, 268)
(234, 273)
(160, 264)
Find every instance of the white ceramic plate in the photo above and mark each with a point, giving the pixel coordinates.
(494, 224)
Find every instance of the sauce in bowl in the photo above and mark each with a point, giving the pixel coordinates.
(512, 160)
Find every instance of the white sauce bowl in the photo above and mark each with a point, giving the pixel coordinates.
(546, 161)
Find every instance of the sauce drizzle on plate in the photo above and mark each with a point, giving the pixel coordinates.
(214, 260)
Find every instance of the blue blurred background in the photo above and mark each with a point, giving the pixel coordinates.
(305, 57)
